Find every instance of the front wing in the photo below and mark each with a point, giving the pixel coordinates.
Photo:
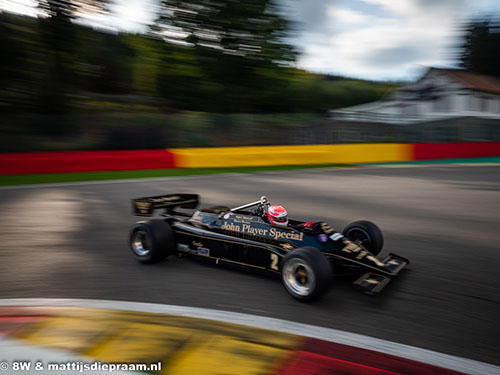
(374, 282)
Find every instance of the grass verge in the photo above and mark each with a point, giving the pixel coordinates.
(27, 179)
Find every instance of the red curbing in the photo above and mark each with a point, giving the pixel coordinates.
(84, 161)
(317, 357)
(427, 151)
(95, 161)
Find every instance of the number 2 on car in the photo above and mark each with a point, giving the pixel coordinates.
(274, 261)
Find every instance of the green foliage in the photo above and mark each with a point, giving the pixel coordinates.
(101, 131)
(27, 179)
(56, 66)
(105, 63)
(232, 54)
(14, 45)
(251, 29)
(22, 68)
(59, 42)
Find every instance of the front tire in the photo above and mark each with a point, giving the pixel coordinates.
(151, 241)
(366, 234)
(306, 273)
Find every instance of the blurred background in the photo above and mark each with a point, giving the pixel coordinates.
(139, 74)
(158, 74)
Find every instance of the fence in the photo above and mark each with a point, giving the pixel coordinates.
(122, 131)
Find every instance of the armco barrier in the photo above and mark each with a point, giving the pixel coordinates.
(84, 161)
(290, 155)
(427, 151)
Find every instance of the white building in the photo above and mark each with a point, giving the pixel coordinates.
(438, 95)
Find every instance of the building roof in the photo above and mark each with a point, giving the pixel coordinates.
(473, 81)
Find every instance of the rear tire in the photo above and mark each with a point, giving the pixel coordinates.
(151, 241)
(306, 273)
(367, 234)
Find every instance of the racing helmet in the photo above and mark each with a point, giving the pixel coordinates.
(277, 215)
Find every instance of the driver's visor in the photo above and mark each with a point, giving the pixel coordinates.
(282, 219)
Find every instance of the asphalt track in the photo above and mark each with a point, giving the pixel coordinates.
(70, 241)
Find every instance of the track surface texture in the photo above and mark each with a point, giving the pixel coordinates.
(72, 242)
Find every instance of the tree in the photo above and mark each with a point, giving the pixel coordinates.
(247, 28)
(238, 47)
(481, 50)
(59, 41)
(15, 43)
(72, 8)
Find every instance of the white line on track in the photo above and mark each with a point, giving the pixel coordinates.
(464, 365)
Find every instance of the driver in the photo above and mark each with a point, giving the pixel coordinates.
(277, 215)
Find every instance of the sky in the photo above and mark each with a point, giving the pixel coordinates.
(369, 39)
(382, 39)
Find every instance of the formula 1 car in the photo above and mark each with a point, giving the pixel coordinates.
(305, 255)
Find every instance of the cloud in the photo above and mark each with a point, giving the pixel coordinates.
(346, 16)
(311, 15)
(26, 7)
(387, 42)
(394, 56)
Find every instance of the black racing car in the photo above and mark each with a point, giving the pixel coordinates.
(305, 255)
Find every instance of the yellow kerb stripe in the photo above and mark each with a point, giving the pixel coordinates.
(183, 345)
(222, 355)
(290, 155)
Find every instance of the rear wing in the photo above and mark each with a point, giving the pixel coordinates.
(146, 206)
